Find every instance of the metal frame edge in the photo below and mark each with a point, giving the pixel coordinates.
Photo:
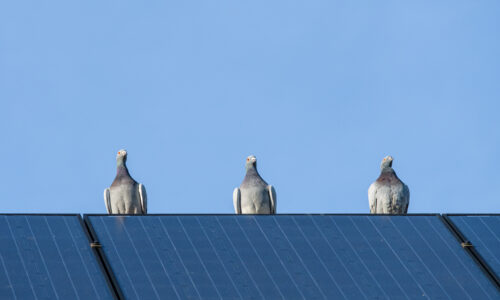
(476, 257)
(101, 258)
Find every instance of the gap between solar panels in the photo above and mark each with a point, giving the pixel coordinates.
(48, 256)
(469, 241)
(96, 247)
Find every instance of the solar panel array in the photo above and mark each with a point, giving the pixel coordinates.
(48, 257)
(483, 231)
(288, 257)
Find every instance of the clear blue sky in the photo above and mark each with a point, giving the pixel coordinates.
(319, 91)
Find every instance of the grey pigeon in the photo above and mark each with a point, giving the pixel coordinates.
(125, 196)
(388, 194)
(254, 196)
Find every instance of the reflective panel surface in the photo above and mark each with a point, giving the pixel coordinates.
(484, 233)
(288, 257)
(48, 257)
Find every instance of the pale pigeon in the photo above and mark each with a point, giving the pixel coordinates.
(254, 196)
(388, 194)
(125, 196)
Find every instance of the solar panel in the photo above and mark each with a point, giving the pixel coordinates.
(288, 257)
(483, 231)
(48, 257)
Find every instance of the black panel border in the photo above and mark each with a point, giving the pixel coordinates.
(226, 214)
(103, 262)
(478, 259)
(86, 231)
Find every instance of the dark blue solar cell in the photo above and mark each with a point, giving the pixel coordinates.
(48, 257)
(483, 231)
(288, 257)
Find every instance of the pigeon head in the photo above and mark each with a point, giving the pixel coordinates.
(251, 162)
(386, 163)
(121, 156)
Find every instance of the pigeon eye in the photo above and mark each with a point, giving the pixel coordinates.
(119, 152)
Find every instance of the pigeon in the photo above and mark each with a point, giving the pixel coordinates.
(254, 196)
(388, 194)
(125, 195)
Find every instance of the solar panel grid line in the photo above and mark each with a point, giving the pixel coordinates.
(150, 246)
(42, 260)
(253, 271)
(20, 251)
(280, 239)
(421, 263)
(345, 270)
(394, 292)
(372, 258)
(389, 258)
(225, 259)
(65, 279)
(493, 234)
(189, 258)
(100, 256)
(495, 239)
(259, 257)
(219, 258)
(415, 289)
(169, 260)
(359, 259)
(81, 256)
(129, 285)
(439, 272)
(269, 265)
(318, 258)
(139, 257)
(40, 266)
(467, 276)
(134, 265)
(194, 250)
(172, 260)
(261, 294)
(456, 223)
(63, 262)
(465, 282)
(347, 258)
(147, 252)
(205, 253)
(99, 268)
(403, 250)
(4, 290)
(88, 260)
(276, 263)
(223, 281)
(301, 266)
(11, 260)
(478, 241)
(295, 238)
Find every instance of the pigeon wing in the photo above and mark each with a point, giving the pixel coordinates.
(406, 195)
(237, 201)
(107, 200)
(144, 198)
(372, 198)
(272, 198)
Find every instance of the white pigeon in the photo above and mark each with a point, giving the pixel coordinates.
(254, 196)
(125, 196)
(388, 194)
